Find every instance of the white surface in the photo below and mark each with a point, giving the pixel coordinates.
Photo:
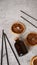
(9, 13)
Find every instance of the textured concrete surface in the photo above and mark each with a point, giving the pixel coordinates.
(9, 13)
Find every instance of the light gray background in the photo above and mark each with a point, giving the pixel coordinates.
(9, 13)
